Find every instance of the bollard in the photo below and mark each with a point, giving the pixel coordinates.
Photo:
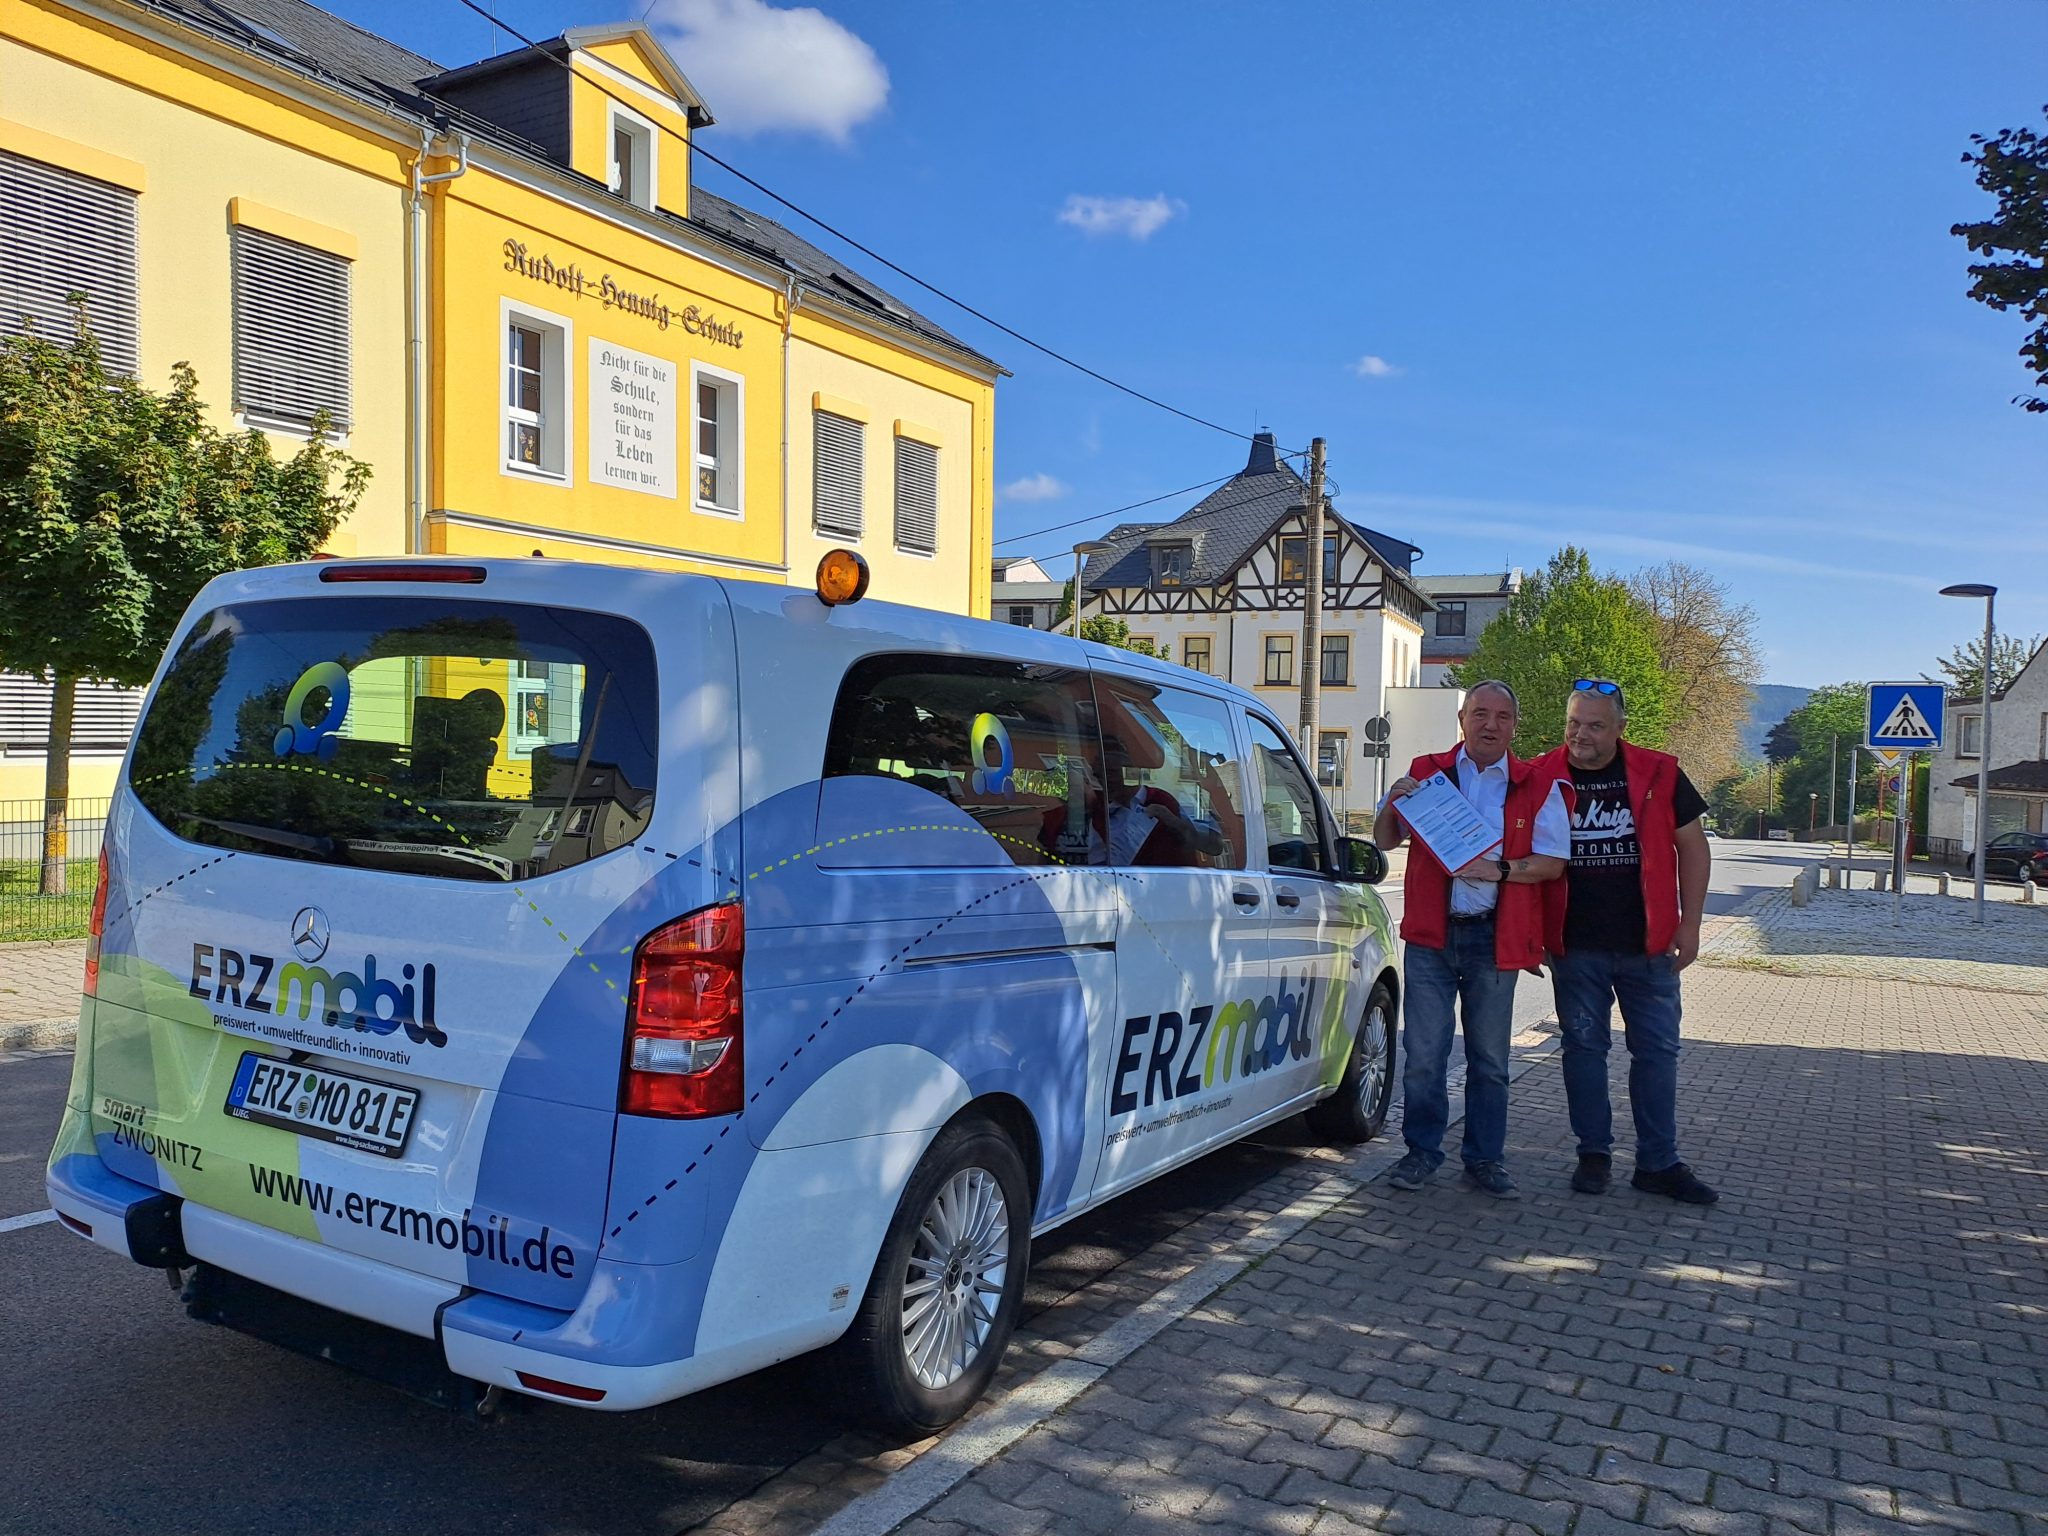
(2027, 892)
(1878, 880)
(1941, 882)
(1834, 877)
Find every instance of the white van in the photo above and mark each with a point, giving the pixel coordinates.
(627, 980)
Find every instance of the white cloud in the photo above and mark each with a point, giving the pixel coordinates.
(763, 67)
(1039, 487)
(1374, 367)
(1135, 218)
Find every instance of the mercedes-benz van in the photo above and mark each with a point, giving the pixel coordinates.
(622, 981)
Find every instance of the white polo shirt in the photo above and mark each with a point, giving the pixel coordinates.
(1486, 791)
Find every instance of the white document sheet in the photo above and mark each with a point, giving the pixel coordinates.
(1444, 819)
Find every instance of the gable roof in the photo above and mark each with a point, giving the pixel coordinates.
(311, 42)
(1228, 524)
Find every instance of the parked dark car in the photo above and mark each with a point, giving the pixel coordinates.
(2015, 856)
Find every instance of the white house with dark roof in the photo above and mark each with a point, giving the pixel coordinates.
(2019, 763)
(1221, 588)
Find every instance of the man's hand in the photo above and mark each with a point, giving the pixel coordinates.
(1687, 947)
(1486, 868)
(1158, 810)
(1402, 787)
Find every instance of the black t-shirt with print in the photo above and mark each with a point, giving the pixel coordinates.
(1606, 872)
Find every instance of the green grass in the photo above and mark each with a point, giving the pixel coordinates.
(26, 915)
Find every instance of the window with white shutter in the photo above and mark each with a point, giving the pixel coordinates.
(291, 331)
(917, 496)
(103, 714)
(62, 233)
(838, 474)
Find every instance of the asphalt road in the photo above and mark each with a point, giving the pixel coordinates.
(119, 1414)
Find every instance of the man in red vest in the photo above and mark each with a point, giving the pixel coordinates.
(1620, 926)
(1468, 932)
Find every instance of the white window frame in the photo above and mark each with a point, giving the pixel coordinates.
(1323, 645)
(647, 139)
(860, 430)
(732, 436)
(1969, 735)
(558, 343)
(915, 551)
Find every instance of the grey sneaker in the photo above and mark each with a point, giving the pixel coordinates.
(1493, 1179)
(1412, 1172)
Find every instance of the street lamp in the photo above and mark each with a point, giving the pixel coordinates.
(1082, 551)
(1980, 589)
(1812, 810)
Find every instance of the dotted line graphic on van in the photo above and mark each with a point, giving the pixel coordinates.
(136, 904)
(825, 1024)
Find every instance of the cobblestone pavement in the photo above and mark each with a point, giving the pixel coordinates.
(1851, 933)
(1853, 1340)
(39, 992)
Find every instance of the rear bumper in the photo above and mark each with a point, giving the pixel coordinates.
(117, 1213)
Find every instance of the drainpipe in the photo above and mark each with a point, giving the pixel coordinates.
(417, 397)
(792, 288)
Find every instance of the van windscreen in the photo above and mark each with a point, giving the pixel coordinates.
(434, 736)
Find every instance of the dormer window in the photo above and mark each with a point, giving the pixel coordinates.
(632, 157)
(1173, 565)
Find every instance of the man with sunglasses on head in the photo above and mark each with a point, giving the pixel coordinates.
(1468, 931)
(1620, 926)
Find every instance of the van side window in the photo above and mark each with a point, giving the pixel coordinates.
(1294, 838)
(1174, 792)
(1012, 744)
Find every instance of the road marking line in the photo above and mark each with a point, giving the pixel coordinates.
(32, 1219)
(967, 1448)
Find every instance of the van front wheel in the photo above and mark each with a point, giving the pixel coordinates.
(1357, 1110)
(948, 1285)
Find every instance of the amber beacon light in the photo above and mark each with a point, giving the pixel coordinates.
(842, 578)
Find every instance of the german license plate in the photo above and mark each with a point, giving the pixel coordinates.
(317, 1101)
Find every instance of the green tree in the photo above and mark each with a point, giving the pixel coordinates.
(117, 504)
(1822, 729)
(1065, 611)
(2012, 166)
(1738, 797)
(1963, 668)
(1570, 621)
(1707, 646)
(1116, 632)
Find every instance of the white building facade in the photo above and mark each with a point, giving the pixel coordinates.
(1465, 605)
(1221, 588)
(2019, 763)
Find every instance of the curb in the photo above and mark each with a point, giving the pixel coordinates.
(39, 1034)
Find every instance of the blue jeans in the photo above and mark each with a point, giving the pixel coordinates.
(1462, 972)
(1588, 983)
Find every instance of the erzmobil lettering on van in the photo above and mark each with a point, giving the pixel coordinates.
(494, 1240)
(1243, 1039)
(346, 1000)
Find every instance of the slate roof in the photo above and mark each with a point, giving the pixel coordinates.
(1481, 581)
(310, 41)
(1226, 525)
(2015, 778)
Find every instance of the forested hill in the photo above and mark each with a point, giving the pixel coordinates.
(1774, 701)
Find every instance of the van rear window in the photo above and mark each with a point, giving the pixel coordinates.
(434, 736)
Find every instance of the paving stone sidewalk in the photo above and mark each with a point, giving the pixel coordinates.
(39, 993)
(1855, 1339)
(1936, 939)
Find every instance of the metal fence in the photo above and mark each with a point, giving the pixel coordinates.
(26, 912)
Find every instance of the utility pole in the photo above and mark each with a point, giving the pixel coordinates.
(1312, 615)
(1834, 747)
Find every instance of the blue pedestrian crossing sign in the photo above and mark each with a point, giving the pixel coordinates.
(1904, 717)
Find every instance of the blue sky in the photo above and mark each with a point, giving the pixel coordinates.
(1671, 281)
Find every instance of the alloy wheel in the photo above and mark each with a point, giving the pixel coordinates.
(1372, 1058)
(953, 1282)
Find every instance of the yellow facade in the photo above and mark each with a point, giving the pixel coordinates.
(634, 308)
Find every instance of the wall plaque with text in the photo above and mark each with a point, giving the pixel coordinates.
(632, 420)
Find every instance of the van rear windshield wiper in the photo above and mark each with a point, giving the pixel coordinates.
(298, 842)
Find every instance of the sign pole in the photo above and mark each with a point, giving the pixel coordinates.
(1898, 849)
(1850, 842)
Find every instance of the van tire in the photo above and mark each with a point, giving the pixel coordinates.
(969, 1166)
(1358, 1109)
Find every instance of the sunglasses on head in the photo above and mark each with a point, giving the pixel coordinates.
(1596, 685)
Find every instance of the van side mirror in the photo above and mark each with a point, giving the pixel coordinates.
(1360, 859)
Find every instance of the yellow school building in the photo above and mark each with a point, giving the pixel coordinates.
(502, 287)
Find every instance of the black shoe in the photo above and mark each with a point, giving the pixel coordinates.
(1594, 1173)
(1493, 1179)
(1678, 1182)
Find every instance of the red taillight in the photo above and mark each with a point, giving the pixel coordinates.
(683, 1056)
(75, 1224)
(554, 1388)
(468, 574)
(93, 931)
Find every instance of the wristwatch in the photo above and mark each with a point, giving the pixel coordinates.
(1505, 867)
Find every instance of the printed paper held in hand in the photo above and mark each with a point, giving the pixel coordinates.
(1444, 819)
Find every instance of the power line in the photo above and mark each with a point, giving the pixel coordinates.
(838, 234)
(1036, 533)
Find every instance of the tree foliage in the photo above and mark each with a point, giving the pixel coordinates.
(117, 504)
(1963, 668)
(1117, 633)
(1707, 645)
(2012, 165)
(1568, 622)
(1821, 730)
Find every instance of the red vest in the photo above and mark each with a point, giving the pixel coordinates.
(1652, 781)
(1518, 918)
